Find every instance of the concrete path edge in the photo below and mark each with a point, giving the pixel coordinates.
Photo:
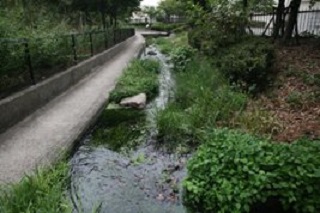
(21, 104)
(48, 134)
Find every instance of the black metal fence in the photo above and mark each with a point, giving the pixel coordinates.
(25, 62)
(308, 23)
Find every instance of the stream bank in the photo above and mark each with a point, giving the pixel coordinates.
(132, 177)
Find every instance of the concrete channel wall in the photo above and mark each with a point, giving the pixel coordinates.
(18, 106)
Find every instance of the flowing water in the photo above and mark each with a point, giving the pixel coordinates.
(148, 180)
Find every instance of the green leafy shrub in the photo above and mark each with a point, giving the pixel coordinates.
(140, 77)
(295, 99)
(12, 66)
(226, 28)
(248, 64)
(165, 27)
(49, 52)
(181, 56)
(235, 172)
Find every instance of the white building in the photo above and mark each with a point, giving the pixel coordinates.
(141, 18)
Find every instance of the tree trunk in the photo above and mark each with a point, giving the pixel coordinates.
(245, 4)
(279, 18)
(103, 17)
(294, 9)
(111, 21)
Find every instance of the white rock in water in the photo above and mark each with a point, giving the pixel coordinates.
(138, 101)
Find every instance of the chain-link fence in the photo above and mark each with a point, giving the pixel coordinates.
(26, 62)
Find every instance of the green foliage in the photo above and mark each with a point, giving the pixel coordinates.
(172, 7)
(175, 127)
(232, 172)
(248, 64)
(181, 56)
(151, 11)
(202, 98)
(119, 129)
(165, 27)
(42, 192)
(140, 77)
(164, 45)
(168, 46)
(295, 99)
(311, 79)
(226, 28)
(46, 25)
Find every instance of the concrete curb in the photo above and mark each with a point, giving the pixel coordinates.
(93, 120)
(49, 133)
(18, 106)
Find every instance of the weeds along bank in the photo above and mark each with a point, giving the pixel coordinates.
(237, 167)
(45, 191)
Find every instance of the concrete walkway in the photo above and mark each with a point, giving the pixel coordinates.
(42, 137)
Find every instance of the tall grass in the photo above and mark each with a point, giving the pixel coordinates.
(203, 99)
(42, 192)
(141, 76)
(120, 129)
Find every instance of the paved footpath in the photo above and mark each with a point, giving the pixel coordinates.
(42, 137)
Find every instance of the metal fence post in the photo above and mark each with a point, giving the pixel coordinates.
(114, 37)
(28, 61)
(91, 44)
(74, 48)
(105, 32)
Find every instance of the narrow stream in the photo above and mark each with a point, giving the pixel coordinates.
(147, 180)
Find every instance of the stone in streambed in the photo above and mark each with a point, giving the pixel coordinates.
(138, 101)
(151, 52)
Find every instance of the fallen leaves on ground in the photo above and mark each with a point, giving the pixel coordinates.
(294, 101)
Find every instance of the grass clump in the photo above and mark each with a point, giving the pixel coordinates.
(203, 98)
(163, 44)
(120, 129)
(42, 192)
(236, 172)
(140, 77)
(167, 46)
(257, 121)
